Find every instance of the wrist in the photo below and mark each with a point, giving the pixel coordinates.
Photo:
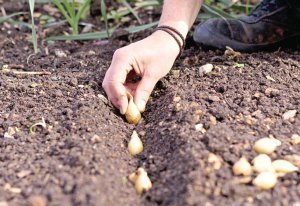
(169, 43)
(176, 35)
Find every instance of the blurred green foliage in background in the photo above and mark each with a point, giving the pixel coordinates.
(130, 15)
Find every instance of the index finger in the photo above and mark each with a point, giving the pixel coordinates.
(113, 83)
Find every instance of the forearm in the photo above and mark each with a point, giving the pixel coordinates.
(180, 14)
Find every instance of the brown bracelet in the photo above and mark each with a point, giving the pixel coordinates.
(170, 31)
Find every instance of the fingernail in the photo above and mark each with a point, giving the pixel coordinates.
(122, 110)
(141, 105)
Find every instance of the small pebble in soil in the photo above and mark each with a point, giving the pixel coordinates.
(95, 139)
(175, 73)
(103, 98)
(205, 69)
(262, 163)
(295, 139)
(268, 77)
(242, 167)
(135, 145)
(215, 160)
(176, 99)
(271, 92)
(60, 53)
(213, 120)
(91, 53)
(265, 145)
(11, 131)
(283, 166)
(198, 127)
(213, 98)
(73, 82)
(265, 180)
(178, 107)
(197, 114)
(34, 85)
(229, 52)
(23, 173)
(11, 189)
(289, 114)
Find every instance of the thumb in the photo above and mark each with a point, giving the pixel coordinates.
(143, 92)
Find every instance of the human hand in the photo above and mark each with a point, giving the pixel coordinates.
(150, 58)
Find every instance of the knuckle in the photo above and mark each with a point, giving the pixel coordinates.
(120, 53)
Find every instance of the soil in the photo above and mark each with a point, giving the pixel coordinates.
(81, 157)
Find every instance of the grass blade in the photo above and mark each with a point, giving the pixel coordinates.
(22, 23)
(42, 1)
(100, 35)
(8, 17)
(216, 12)
(245, 8)
(147, 3)
(161, 2)
(62, 10)
(71, 12)
(81, 37)
(68, 7)
(135, 29)
(127, 5)
(82, 9)
(104, 16)
(34, 36)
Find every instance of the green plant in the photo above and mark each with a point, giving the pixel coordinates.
(104, 15)
(131, 10)
(115, 15)
(118, 15)
(101, 34)
(69, 11)
(9, 17)
(34, 36)
(41, 123)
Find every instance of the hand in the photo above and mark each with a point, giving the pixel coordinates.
(150, 58)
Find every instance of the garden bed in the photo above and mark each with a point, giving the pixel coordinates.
(81, 157)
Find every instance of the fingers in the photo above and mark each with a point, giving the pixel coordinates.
(115, 83)
(143, 91)
(117, 94)
(114, 80)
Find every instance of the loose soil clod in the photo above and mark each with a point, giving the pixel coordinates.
(295, 139)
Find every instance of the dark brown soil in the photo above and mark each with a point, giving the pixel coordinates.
(81, 158)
